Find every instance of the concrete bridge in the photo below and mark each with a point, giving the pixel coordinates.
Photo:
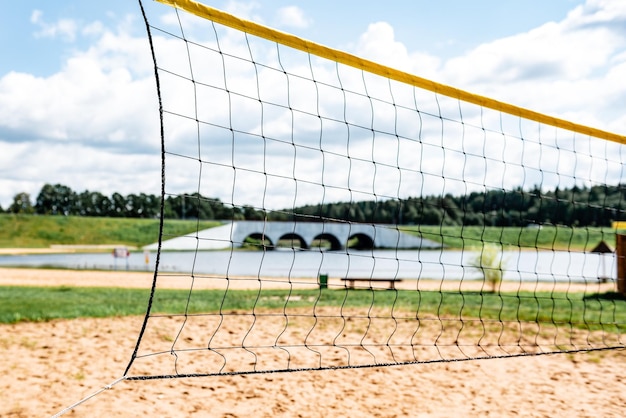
(303, 235)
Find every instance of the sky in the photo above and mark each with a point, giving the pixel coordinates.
(78, 103)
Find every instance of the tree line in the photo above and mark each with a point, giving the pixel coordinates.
(576, 206)
(61, 200)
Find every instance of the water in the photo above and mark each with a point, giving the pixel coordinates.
(524, 265)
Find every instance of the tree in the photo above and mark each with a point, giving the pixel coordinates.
(21, 204)
(142, 206)
(251, 214)
(410, 214)
(55, 200)
(118, 206)
(199, 207)
(92, 204)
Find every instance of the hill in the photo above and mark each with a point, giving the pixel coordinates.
(42, 231)
(36, 231)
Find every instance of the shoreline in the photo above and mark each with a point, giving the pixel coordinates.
(64, 249)
(16, 276)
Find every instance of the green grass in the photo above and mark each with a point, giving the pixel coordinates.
(32, 231)
(20, 303)
(546, 237)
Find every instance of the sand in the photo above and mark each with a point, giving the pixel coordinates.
(49, 366)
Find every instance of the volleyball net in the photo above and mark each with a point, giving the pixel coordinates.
(368, 216)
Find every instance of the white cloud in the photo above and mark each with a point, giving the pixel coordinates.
(547, 53)
(597, 13)
(378, 44)
(292, 16)
(565, 68)
(26, 167)
(98, 92)
(98, 114)
(62, 28)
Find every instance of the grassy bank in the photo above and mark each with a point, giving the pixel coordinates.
(546, 237)
(45, 303)
(32, 231)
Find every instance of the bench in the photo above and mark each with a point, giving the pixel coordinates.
(350, 281)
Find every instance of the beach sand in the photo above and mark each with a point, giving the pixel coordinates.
(49, 366)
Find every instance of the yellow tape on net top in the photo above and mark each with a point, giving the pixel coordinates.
(286, 39)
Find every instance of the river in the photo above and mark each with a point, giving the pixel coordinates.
(521, 265)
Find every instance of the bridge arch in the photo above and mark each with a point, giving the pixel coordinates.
(258, 239)
(332, 240)
(292, 240)
(360, 241)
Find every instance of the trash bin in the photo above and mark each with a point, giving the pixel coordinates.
(323, 281)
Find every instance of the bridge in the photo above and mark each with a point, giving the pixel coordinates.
(334, 235)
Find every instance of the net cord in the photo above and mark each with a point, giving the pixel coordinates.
(293, 41)
(162, 208)
(372, 366)
(85, 399)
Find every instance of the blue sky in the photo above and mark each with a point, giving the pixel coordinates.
(562, 57)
